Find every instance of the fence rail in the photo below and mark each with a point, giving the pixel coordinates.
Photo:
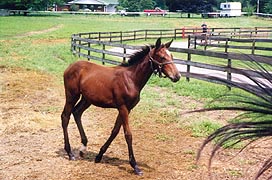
(107, 47)
(230, 43)
(183, 32)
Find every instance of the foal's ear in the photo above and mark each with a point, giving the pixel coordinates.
(158, 43)
(167, 45)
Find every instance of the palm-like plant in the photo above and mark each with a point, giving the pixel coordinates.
(257, 113)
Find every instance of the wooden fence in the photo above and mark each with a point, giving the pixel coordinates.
(254, 46)
(183, 32)
(103, 46)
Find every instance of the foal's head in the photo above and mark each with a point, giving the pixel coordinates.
(162, 61)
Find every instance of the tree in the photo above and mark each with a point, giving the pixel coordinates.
(136, 5)
(28, 4)
(146, 4)
(268, 7)
(161, 4)
(191, 6)
(249, 9)
(151, 4)
(133, 6)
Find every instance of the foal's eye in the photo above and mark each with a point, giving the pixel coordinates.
(162, 58)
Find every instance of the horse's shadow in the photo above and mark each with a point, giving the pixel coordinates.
(113, 161)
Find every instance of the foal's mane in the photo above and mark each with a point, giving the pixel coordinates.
(137, 57)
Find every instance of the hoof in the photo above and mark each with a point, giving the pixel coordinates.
(81, 154)
(98, 159)
(82, 150)
(138, 171)
(72, 158)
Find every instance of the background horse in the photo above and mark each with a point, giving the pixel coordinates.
(113, 87)
(256, 122)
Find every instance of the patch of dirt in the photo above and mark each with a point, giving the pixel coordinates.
(32, 141)
(49, 41)
(31, 33)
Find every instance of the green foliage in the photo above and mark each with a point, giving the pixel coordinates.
(204, 128)
(146, 4)
(195, 88)
(249, 9)
(74, 7)
(192, 6)
(135, 5)
(268, 7)
(28, 4)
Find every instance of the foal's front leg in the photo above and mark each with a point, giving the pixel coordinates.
(122, 119)
(128, 136)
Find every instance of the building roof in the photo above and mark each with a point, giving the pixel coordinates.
(94, 2)
(111, 1)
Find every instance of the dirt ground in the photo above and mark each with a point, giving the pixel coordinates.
(31, 139)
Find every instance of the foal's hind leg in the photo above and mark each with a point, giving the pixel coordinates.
(65, 117)
(77, 112)
(114, 133)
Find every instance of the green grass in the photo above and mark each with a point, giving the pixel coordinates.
(34, 52)
(204, 128)
(163, 137)
(16, 25)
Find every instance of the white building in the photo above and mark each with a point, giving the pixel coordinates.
(96, 5)
(230, 9)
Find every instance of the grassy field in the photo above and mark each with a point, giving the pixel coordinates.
(42, 43)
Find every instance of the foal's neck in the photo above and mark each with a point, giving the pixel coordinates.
(142, 72)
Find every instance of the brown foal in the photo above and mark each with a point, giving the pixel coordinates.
(113, 87)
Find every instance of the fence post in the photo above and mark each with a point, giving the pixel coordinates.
(253, 46)
(121, 37)
(195, 39)
(79, 47)
(175, 33)
(189, 41)
(188, 59)
(183, 32)
(134, 35)
(145, 35)
(188, 67)
(229, 64)
(124, 55)
(103, 54)
(72, 43)
(99, 36)
(89, 52)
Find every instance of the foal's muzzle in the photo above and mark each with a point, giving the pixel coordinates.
(175, 78)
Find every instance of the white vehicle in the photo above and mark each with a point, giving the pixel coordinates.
(123, 12)
(230, 9)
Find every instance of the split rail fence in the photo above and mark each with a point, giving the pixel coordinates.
(227, 48)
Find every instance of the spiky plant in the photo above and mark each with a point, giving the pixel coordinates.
(257, 112)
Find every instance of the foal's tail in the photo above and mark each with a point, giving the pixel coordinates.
(71, 78)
